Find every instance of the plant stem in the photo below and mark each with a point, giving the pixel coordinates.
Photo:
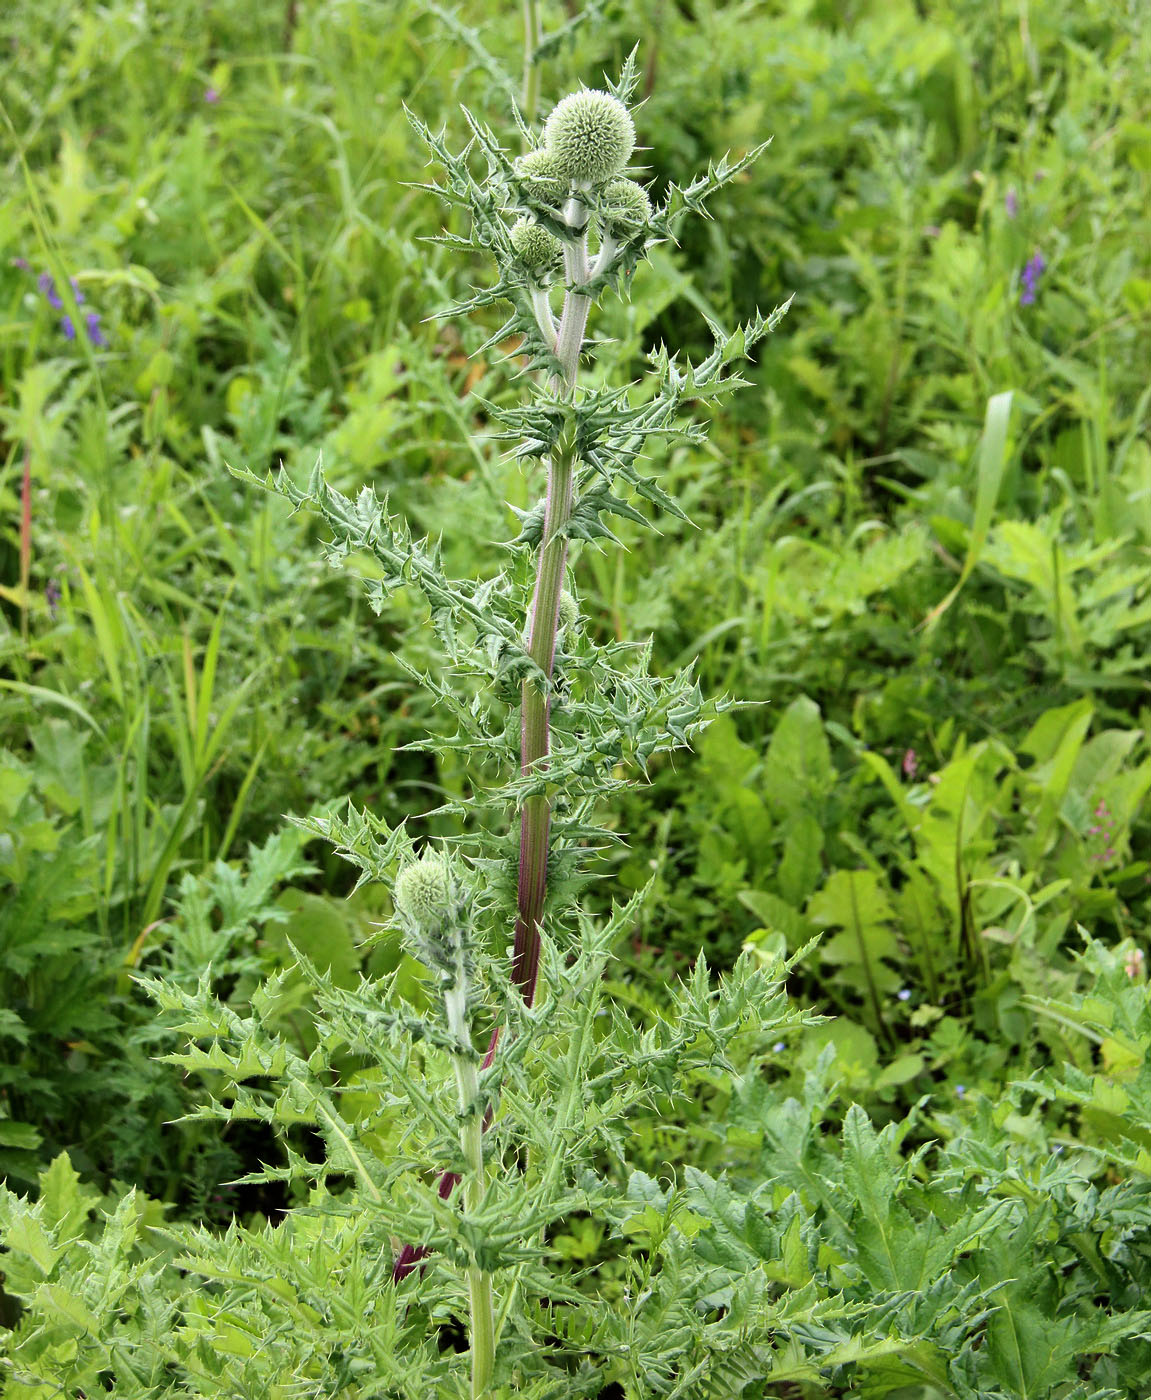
(532, 36)
(483, 1331)
(543, 624)
(483, 1324)
(25, 543)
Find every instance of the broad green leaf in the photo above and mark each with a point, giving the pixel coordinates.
(798, 768)
(320, 929)
(802, 862)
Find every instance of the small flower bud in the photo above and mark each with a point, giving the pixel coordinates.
(569, 612)
(629, 205)
(537, 249)
(539, 165)
(591, 136)
(423, 892)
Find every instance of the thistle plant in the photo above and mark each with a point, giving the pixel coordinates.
(564, 223)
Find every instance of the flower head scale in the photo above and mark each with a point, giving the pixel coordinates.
(591, 136)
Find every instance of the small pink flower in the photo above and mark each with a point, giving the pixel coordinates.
(211, 96)
(910, 764)
(1133, 963)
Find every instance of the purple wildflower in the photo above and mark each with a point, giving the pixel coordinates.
(1011, 202)
(960, 1090)
(904, 994)
(52, 595)
(910, 764)
(47, 284)
(1031, 274)
(211, 96)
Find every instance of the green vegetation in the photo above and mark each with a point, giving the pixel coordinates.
(915, 558)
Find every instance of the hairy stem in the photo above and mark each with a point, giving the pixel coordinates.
(543, 314)
(472, 1123)
(543, 624)
(483, 1322)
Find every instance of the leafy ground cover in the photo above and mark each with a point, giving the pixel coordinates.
(917, 560)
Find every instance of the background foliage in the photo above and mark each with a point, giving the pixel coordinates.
(945, 784)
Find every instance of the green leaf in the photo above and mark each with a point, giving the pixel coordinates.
(802, 863)
(798, 769)
(26, 1236)
(322, 930)
(21, 1135)
(59, 1303)
(900, 1071)
(65, 1203)
(855, 901)
(722, 1241)
(989, 476)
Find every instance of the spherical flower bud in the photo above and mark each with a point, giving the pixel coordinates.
(629, 204)
(535, 247)
(591, 136)
(423, 891)
(539, 165)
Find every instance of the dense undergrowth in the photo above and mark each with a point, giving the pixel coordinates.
(917, 560)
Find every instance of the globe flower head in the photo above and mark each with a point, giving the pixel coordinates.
(537, 249)
(629, 206)
(591, 136)
(423, 892)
